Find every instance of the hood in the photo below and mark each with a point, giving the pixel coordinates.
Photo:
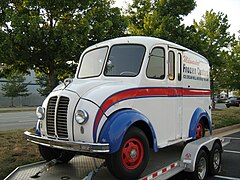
(95, 90)
(81, 86)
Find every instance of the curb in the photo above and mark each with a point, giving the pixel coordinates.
(224, 129)
(5, 110)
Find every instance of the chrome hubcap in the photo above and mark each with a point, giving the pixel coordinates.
(133, 153)
(202, 168)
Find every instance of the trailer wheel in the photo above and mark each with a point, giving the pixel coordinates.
(215, 159)
(201, 166)
(132, 157)
(62, 156)
(200, 131)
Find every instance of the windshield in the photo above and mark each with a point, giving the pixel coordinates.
(124, 60)
(92, 63)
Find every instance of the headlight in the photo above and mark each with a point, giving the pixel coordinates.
(40, 112)
(81, 116)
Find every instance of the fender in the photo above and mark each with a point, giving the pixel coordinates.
(197, 115)
(38, 130)
(117, 125)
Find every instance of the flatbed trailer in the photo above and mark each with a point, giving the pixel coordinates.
(164, 164)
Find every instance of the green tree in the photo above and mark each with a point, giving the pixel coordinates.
(232, 78)
(216, 44)
(15, 87)
(160, 18)
(42, 81)
(105, 22)
(45, 35)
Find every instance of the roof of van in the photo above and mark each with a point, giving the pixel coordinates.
(148, 41)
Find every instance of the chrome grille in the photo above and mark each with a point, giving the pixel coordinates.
(50, 115)
(57, 106)
(62, 117)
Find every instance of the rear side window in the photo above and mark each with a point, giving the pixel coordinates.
(156, 64)
(171, 65)
(179, 67)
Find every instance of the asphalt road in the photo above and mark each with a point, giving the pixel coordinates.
(17, 120)
(230, 159)
(220, 106)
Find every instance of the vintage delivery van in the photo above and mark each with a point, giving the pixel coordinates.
(129, 94)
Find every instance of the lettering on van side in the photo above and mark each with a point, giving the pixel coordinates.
(195, 73)
(192, 70)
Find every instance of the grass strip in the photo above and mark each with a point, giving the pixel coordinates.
(225, 117)
(15, 151)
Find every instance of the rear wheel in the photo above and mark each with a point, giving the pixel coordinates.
(132, 157)
(201, 166)
(200, 131)
(62, 156)
(215, 159)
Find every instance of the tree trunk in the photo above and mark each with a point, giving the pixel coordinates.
(12, 101)
(52, 80)
(212, 93)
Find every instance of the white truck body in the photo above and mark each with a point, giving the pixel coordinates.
(159, 87)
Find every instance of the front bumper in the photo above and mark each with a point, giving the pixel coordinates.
(68, 145)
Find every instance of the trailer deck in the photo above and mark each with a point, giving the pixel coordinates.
(83, 167)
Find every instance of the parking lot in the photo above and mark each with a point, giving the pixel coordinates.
(231, 159)
(230, 169)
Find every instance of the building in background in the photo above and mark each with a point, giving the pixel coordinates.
(34, 99)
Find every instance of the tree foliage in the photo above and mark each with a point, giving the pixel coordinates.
(49, 36)
(45, 35)
(15, 87)
(232, 80)
(214, 34)
(160, 18)
(216, 45)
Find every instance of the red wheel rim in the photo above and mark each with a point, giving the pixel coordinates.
(132, 153)
(199, 132)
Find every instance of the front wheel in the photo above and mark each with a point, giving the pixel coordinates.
(200, 131)
(62, 156)
(132, 157)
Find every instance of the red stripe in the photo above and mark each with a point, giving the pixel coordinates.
(196, 92)
(145, 92)
(172, 166)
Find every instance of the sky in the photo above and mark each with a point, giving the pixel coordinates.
(231, 8)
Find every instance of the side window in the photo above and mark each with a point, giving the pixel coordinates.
(156, 64)
(179, 67)
(171, 65)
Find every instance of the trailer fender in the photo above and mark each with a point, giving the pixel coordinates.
(117, 125)
(198, 114)
(191, 150)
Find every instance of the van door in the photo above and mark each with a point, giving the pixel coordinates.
(179, 102)
(175, 93)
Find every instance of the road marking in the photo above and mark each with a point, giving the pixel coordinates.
(232, 138)
(225, 177)
(229, 151)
